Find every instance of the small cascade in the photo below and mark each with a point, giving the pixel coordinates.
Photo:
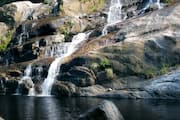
(26, 78)
(27, 73)
(56, 50)
(55, 9)
(155, 3)
(55, 66)
(114, 15)
(24, 34)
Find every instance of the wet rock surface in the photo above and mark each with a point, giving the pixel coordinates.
(104, 111)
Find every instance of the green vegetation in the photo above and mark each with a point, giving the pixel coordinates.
(149, 73)
(66, 29)
(164, 69)
(4, 40)
(94, 66)
(169, 2)
(46, 1)
(109, 73)
(104, 63)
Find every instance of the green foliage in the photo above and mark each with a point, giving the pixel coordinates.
(94, 66)
(4, 40)
(169, 2)
(109, 73)
(164, 69)
(104, 63)
(149, 73)
(46, 1)
(66, 29)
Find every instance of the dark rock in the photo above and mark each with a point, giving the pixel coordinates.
(14, 73)
(2, 85)
(11, 86)
(104, 111)
(22, 89)
(80, 76)
(1, 118)
(94, 90)
(60, 88)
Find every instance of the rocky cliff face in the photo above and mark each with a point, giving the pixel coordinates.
(142, 48)
(122, 63)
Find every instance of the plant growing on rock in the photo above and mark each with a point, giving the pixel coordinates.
(109, 73)
(164, 69)
(104, 63)
(169, 2)
(4, 40)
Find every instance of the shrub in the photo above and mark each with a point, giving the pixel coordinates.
(109, 73)
(46, 1)
(94, 66)
(164, 69)
(149, 73)
(4, 40)
(169, 2)
(104, 63)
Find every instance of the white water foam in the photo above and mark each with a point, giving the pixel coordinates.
(55, 66)
(114, 14)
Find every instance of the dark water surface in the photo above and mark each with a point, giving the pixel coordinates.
(50, 108)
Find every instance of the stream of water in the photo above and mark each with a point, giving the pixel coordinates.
(55, 66)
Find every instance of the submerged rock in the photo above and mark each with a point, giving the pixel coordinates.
(106, 110)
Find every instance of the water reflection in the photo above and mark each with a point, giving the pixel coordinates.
(49, 108)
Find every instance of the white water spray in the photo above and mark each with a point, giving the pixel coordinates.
(152, 3)
(55, 66)
(114, 15)
(27, 78)
(23, 35)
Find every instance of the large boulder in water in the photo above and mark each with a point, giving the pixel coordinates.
(61, 88)
(11, 86)
(106, 110)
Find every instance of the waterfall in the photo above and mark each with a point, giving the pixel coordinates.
(26, 78)
(27, 73)
(55, 65)
(114, 15)
(55, 9)
(56, 50)
(150, 3)
(24, 34)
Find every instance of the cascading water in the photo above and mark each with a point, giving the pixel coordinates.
(56, 50)
(114, 14)
(27, 73)
(24, 34)
(55, 66)
(150, 3)
(27, 76)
